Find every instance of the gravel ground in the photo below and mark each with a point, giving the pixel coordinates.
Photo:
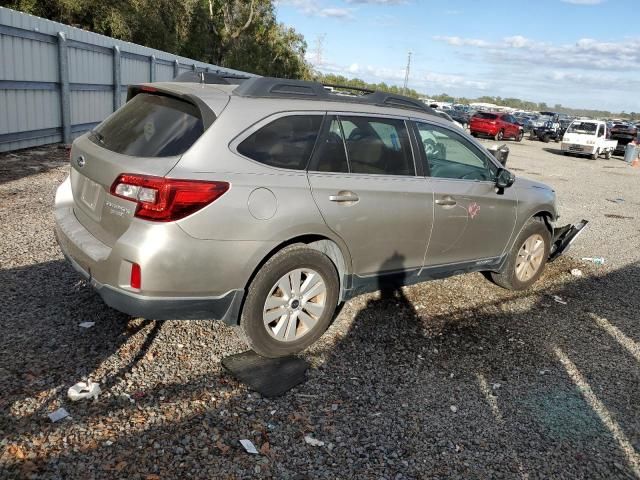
(451, 379)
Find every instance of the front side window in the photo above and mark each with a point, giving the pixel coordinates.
(449, 155)
(150, 125)
(287, 142)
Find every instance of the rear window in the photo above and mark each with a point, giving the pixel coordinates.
(582, 127)
(284, 143)
(487, 116)
(150, 126)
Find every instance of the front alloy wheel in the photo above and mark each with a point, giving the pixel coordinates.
(525, 263)
(530, 258)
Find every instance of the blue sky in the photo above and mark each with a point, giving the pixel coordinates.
(580, 53)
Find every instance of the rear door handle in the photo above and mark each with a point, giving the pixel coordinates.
(446, 202)
(344, 197)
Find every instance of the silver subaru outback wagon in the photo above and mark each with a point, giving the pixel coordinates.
(267, 204)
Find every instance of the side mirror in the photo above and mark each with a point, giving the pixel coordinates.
(504, 179)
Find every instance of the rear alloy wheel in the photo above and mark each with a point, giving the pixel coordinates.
(499, 136)
(290, 302)
(527, 259)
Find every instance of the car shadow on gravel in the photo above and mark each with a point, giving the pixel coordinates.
(435, 381)
(42, 306)
(528, 384)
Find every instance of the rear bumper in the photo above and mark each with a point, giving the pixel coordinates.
(578, 149)
(484, 130)
(224, 307)
(182, 277)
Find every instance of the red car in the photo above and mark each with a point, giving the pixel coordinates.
(496, 125)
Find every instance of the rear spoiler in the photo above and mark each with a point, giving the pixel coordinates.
(207, 115)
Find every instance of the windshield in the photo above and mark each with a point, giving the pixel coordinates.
(582, 127)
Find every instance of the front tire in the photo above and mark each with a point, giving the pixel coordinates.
(595, 156)
(519, 136)
(527, 259)
(290, 302)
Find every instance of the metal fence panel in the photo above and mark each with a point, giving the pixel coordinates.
(57, 81)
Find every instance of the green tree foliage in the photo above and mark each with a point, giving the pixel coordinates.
(240, 34)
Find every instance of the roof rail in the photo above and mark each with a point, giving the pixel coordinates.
(210, 78)
(268, 87)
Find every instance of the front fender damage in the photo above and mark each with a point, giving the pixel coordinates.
(563, 237)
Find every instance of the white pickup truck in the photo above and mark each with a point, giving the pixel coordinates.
(588, 137)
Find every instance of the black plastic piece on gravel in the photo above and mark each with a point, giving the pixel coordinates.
(271, 377)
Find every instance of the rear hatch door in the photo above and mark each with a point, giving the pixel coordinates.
(484, 121)
(147, 136)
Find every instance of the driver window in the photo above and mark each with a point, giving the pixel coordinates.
(449, 155)
(601, 130)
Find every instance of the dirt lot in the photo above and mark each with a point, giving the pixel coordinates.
(451, 379)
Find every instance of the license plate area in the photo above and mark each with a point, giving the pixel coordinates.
(90, 193)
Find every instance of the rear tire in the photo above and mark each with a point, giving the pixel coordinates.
(296, 321)
(520, 136)
(499, 136)
(607, 155)
(546, 138)
(527, 259)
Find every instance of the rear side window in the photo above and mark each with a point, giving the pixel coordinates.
(486, 116)
(378, 146)
(150, 126)
(284, 143)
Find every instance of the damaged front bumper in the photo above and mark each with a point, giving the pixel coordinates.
(563, 237)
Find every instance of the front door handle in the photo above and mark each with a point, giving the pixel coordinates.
(446, 201)
(342, 197)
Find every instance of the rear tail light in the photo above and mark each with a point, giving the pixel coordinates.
(166, 199)
(136, 276)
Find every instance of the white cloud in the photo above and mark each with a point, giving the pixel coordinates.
(584, 2)
(419, 80)
(379, 2)
(586, 53)
(312, 8)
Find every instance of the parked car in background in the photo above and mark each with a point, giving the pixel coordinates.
(460, 116)
(496, 125)
(624, 133)
(446, 116)
(588, 137)
(252, 204)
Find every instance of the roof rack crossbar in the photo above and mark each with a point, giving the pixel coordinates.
(267, 87)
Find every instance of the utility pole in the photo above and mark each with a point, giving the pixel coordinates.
(406, 75)
(319, 48)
